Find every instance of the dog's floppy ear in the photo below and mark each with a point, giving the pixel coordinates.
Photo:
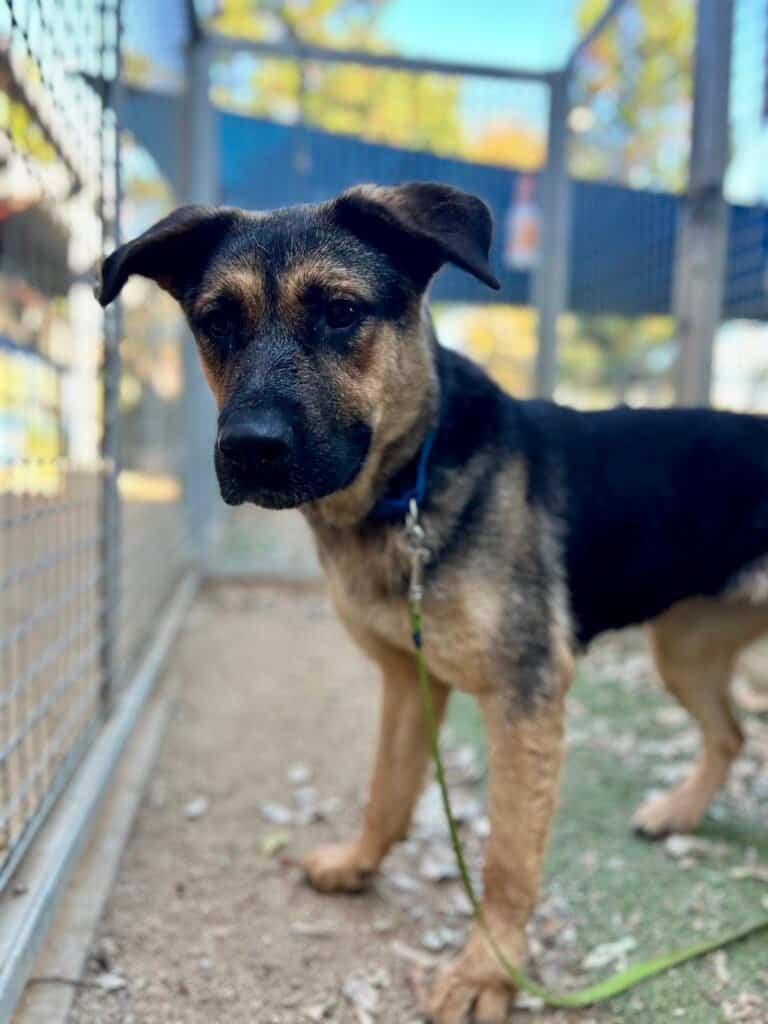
(422, 225)
(171, 252)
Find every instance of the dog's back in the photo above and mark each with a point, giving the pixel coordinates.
(660, 505)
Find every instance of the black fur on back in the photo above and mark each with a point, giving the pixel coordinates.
(652, 506)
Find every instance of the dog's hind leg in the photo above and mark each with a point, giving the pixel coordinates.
(695, 645)
(402, 756)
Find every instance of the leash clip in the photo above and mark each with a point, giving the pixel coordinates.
(417, 552)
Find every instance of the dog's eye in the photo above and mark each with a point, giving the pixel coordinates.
(219, 326)
(341, 313)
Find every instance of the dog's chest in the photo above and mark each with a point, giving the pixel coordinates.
(368, 583)
(368, 586)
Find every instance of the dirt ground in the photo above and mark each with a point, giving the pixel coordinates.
(268, 755)
(204, 924)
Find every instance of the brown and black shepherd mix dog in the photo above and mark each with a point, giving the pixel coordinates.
(545, 526)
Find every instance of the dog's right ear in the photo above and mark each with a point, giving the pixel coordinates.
(172, 252)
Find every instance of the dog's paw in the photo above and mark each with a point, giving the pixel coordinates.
(662, 815)
(473, 988)
(337, 867)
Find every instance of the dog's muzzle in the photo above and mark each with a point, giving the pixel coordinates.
(263, 438)
(256, 454)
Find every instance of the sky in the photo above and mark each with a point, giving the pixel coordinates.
(509, 33)
(524, 33)
(528, 33)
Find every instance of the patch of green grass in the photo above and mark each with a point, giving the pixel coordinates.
(615, 884)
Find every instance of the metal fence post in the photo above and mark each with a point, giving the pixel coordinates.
(200, 185)
(702, 234)
(550, 284)
(110, 189)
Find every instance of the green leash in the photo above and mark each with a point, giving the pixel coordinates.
(602, 990)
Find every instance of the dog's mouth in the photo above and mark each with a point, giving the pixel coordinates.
(245, 484)
(235, 492)
(331, 468)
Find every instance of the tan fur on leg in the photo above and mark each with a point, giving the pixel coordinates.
(525, 753)
(401, 760)
(695, 645)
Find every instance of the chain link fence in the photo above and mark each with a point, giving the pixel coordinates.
(91, 542)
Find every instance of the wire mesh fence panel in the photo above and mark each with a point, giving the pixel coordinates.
(53, 58)
(89, 552)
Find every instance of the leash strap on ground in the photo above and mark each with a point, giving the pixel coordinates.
(602, 990)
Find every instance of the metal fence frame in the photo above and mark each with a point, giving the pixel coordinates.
(703, 227)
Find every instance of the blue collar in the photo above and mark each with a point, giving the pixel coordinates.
(388, 508)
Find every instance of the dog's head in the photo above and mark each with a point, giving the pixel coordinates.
(309, 325)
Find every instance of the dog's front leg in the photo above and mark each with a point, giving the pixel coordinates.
(524, 752)
(401, 760)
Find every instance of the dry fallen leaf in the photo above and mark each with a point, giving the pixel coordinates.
(381, 925)
(196, 808)
(299, 774)
(757, 872)
(110, 982)
(672, 717)
(460, 904)
(276, 814)
(720, 966)
(438, 939)
(438, 863)
(404, 882)
(462, 765)
(362, 996)
(273, 843)
(429, 817)
(679, 847)
(315, 929)
(318, 1012)
(746, 1006)
(524, 1001)
(405, 952)
(481, 826)
(609, 953)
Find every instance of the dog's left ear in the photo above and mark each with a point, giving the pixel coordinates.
(421, 226)
(172, 252)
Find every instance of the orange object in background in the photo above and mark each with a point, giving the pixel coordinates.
(522, 226)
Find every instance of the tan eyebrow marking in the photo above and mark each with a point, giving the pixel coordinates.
(244, 284)
(324, 272)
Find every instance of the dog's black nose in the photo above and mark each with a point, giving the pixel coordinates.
(260, 437)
